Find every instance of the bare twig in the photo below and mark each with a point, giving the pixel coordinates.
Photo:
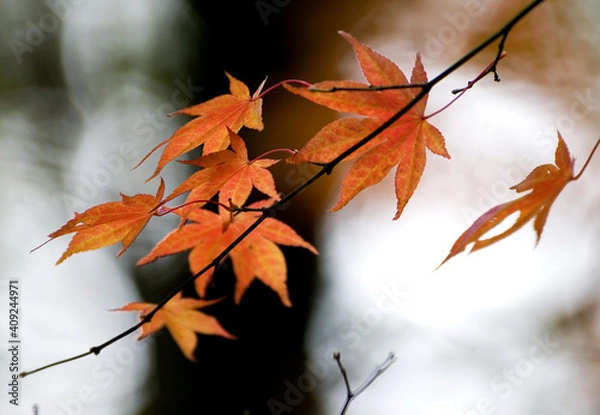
(350, 394)
(461, 91)
(489, 69)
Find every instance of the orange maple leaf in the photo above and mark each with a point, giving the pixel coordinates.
(182, 319)
(545, 182)
(402, 144)
(257, 256)
(109, 223)
(228, 172)
(215, 117)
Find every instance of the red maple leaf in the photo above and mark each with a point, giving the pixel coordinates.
(228, 172)
(402, 145)
(257, 256)
(545, 183)
(183, 320)
(214, 118)
(109, 223)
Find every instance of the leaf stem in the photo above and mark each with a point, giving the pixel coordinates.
(163, 210)
(278, 84)
(366, 88)
(287, 150)
(587, 161)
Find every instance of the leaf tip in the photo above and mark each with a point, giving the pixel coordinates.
(443, 262)
(228, 335)
(153, 175)
(145, 260)
(64, 256)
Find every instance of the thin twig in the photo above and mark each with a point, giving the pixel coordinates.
(60, 362)
(326, 169)
(470, 84)
(380, 369)
(488, 69)
(350, 394)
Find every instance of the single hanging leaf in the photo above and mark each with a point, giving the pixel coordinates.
(182, 319)
(109, 223)
(545, 183)
(403, 144)
(257, 256)
(228, 172)
(215, 117)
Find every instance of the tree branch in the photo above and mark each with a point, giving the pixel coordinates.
(350, 394)
(327, 168)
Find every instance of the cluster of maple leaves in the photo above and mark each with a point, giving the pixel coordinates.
(227, 176)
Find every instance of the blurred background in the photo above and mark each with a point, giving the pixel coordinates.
(85, 89)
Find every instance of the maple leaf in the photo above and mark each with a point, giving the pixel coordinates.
(108, 223)
(182, 319)
(545, 182)
(403, 144)
(228, 172)
(257, 256)
(214, 118)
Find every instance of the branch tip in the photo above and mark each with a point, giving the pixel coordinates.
(350, 394)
